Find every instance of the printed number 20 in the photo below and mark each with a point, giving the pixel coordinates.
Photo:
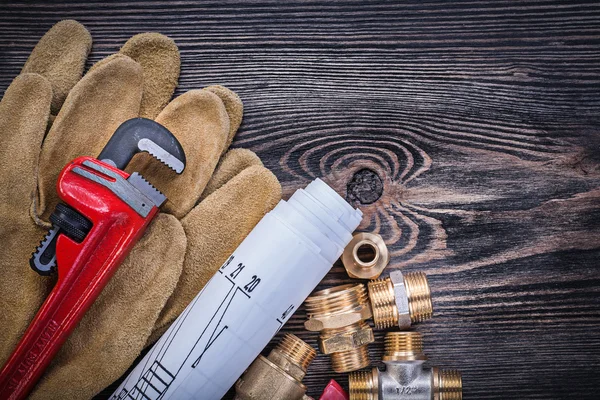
(252, 284)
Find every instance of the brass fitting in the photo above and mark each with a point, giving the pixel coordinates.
(278, 376)
(339, 314)
(368, 264)
(401, 299)
(405, 378)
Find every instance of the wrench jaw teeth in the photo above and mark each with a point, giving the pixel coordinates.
(147, 189)
(43, 259)
(141, 134)
(161, 155)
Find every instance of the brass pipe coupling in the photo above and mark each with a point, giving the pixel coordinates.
(401, 299)
(405, 377)
(278, 376)
(339, 314)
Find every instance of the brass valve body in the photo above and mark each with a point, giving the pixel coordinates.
(405, 378)
(339, 314)
(278, 376)
(401, 300)
(370, 268)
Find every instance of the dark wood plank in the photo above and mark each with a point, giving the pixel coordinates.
(482, 122)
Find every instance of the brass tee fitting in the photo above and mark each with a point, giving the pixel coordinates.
(401, 299)
(278, 376)
(339, 314)
(405, 378)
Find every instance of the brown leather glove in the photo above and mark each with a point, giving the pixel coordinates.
(182, 248)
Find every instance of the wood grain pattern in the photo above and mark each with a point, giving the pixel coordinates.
(482, 121)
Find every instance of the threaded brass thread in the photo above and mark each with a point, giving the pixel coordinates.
(447, 384)
(336, 300)
(296, 350)
(450, 384)
(403, 346)
(383, 303)
(364, 385)
(350, 360)
(419, 296)
(339, 313)
(382, 295)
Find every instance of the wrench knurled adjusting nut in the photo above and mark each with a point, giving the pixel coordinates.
(400, 300)
(278, 376)
(339, 314)
(365, 269)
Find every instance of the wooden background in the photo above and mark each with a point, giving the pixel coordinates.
(481, 121)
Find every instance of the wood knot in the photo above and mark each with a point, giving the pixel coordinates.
(365, 187)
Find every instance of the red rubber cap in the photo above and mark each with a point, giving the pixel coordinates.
(333, 391)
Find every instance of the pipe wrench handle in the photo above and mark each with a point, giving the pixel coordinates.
(119, 211)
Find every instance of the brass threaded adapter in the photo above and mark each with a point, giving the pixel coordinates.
(447, 384)
(383, 303)
(419, 296)
(350, 360)
(403, 346)
(400, 300)
(339, 314)
(364, 385)
(296, 350)
(278, 376)
(337, 307)
(336, 301)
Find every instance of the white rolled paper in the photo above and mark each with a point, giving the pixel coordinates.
(248, 300)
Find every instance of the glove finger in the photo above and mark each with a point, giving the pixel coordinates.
(104, 98)
(231, 164)
(199, 121)
(24, 111)
(159, 57)
(60, 57)
(214, 229)
(114, 330)
(235, 110)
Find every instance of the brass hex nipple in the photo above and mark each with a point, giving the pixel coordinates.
(405, 378)
(351, 355)
(401, 299)
(366, 256)
(339, 314)
(278, 376)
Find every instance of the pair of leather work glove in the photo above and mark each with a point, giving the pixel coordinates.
(50, 115)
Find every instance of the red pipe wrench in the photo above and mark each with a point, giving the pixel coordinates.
(105, 212)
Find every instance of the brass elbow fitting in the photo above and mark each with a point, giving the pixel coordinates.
(401, 299)
(339, 314)
(278, 376)
(405, 378)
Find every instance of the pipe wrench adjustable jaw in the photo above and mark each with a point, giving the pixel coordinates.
(106, 211)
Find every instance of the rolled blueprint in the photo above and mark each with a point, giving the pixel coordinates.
(248, 300)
